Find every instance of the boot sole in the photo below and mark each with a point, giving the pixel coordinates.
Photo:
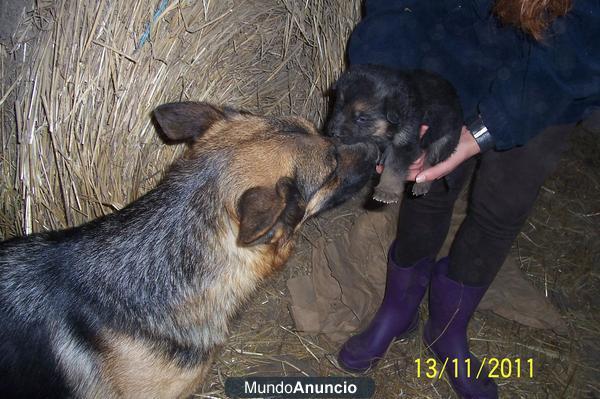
(374, 362)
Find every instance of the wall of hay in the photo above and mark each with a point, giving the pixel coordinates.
(84, 76)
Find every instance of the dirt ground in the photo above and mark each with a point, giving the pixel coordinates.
(558, 251)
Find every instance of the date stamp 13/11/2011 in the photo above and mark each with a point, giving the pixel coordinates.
(490, 367)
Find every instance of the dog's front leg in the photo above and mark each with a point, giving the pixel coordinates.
(391, 184)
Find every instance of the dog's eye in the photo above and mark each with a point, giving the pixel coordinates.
(362, 119)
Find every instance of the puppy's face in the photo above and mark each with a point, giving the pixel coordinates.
(369, 104)
(274, 173)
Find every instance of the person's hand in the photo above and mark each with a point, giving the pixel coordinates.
(466, 148)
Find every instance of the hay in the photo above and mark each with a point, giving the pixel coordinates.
(88, 74)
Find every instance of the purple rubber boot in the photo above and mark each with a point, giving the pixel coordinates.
(397, 316)
(451, 305)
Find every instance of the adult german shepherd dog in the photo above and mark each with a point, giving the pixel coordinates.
(135, 303)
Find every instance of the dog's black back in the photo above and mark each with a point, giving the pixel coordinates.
(441, 112)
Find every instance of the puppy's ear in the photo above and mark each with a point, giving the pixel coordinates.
(392, 111)
(186, 121)
(393, 117)
(269, 213)
(396, 104)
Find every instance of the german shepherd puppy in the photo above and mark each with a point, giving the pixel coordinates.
(389, 106)
(135, 303)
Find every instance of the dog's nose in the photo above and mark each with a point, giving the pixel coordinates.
(332, 132)
(332, 129)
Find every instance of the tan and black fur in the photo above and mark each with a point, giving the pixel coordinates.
(134, 304)
(388, 106)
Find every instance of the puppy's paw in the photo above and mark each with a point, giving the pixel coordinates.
(386, 196)
(421, 188)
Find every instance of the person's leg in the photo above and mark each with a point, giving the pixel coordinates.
(422, 227)
(398, 35)
(423, 222)
(504, 190)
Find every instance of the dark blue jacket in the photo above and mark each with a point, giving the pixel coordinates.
(518, 86)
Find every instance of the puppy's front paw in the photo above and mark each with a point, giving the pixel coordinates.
(386, 196)
(421, 188)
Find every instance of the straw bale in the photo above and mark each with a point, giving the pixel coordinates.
(88, 73)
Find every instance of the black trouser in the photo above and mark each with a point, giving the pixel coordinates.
(504, 189)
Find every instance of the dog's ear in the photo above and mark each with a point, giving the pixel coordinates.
(185, 121)
(393, 109)
(395, 105)
(269, 213)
